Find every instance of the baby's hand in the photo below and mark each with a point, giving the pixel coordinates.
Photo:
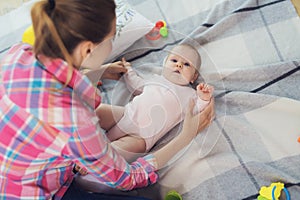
(205, 91)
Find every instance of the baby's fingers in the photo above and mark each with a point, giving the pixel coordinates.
(211, 89)
(200, 86)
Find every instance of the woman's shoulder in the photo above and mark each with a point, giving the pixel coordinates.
(19, 53)
(19, 47)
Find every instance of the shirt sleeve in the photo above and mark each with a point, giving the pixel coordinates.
(199, 104)
(135, 83)
(90, 148)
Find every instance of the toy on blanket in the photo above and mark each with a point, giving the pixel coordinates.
(173, 195)
(272, 192)
(159, 30)
(28, 36)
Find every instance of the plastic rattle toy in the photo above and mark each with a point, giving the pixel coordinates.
(272, 192)
(284, 189)
(298, 139)
(159, 30)
(173, 195)
(28, 36)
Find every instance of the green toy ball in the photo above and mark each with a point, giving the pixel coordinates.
(163, 31)
(173, 195)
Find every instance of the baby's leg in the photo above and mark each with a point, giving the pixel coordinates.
(130, 147)
(109, 115)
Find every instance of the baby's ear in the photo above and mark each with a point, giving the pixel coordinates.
(165, 60)
(196, 75)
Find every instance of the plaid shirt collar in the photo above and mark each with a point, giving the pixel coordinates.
(80, 83)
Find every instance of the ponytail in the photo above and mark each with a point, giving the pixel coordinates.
(60, 25)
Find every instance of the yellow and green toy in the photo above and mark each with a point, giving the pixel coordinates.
(272, 192)
(28, 36)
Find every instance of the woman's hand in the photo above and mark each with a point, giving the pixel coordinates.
(207, 115)
(115, 70)
(193, 124)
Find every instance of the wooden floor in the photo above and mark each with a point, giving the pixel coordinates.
(9, 5)
(297, 5)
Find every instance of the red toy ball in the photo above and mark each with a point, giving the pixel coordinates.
(159, 24)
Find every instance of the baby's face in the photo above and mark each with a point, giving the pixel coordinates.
(179, 66)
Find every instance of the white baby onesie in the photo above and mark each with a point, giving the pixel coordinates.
(159, 107)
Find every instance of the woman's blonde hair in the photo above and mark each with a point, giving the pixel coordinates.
(60, 25)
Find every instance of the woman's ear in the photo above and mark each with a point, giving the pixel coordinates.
(86, 48)
(82, 50)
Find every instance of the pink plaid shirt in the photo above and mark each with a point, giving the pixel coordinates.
(47, 126)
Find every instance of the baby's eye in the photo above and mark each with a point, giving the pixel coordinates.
(187, 64)
(174, 60)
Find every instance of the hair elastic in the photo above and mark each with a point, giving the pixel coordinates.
(52, 4)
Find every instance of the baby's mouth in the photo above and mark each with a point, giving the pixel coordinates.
(177, 71)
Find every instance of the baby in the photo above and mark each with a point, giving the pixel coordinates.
(160, 104)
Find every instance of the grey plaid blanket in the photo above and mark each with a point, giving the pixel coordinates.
(251, 54)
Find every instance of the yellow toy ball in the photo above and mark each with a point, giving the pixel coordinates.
(28, 36)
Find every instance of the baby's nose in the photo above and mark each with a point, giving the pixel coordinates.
(179, 65)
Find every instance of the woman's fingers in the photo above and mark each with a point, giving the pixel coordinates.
(191, 106)
(206, 116)
(125, 63)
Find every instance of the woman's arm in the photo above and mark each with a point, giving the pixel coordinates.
(91, 151)
(89, 148)
(193, 124)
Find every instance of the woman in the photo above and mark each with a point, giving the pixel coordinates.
(47, 108)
